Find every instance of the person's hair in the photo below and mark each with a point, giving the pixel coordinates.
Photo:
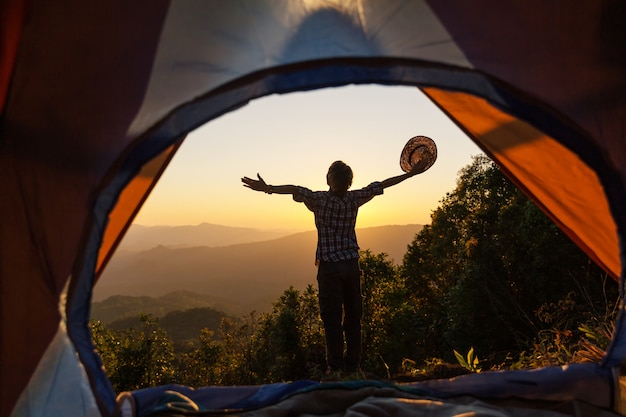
(340, 174)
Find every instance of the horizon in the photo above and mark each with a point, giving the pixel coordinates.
(312, 228)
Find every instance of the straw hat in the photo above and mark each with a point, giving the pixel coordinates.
(417, 148)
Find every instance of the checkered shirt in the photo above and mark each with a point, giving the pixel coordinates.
(335, 219)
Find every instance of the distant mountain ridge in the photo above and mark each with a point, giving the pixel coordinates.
(245, 277)
(140, 238)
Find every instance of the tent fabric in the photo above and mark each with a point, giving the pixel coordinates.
(60, 387)
(96, 97)
(382, 403)
(218, 399)
(12, 16)
(527, 152)
(564, 384)
(376, 398)
(129, 202)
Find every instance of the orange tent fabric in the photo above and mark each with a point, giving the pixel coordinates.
(554, 177)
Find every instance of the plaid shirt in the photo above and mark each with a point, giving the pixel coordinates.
(335, 219)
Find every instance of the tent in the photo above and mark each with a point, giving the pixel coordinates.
(95, 98)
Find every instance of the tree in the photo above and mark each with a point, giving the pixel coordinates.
(201, 366)
(393, 324)
(490, 260)
(135, 358)
(289, 343)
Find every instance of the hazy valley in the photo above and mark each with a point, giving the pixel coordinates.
(236, 278)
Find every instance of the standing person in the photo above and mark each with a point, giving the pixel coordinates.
(337, 256)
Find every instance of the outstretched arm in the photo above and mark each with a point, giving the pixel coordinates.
(261, 185)
(416, 169)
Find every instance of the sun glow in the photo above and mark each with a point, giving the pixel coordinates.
(293, 139)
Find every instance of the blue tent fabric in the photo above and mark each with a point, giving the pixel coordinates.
(245, 398)
(589, 383)
(219, 399)
(547, 389)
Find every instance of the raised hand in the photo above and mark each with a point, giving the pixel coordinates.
(256, 185)
(420, 166)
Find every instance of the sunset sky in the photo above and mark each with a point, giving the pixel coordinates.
(292, 139)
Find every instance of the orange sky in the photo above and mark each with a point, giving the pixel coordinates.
(292, 139)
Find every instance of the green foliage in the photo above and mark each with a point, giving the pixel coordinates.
(431, 368)
(290, 343)
(600, 334)
(200, 366)
(595, 340)
(135, 358)
(490, 260)
(106, 343)
(568, 340)
(551, 348)
(236, 346)
(396, 325)
(470, 362)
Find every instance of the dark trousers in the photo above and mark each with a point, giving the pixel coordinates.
(341, 309)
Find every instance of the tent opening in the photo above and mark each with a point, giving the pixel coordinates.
(205, 250)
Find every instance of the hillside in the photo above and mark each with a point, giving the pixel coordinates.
(246, 276)
(118, 307)
(179, 325)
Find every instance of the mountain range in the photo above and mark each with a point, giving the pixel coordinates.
(141, 237)
(239, 278)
